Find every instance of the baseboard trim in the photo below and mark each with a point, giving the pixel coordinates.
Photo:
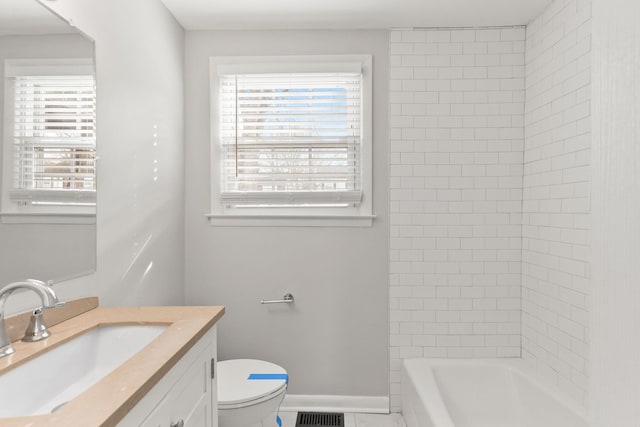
(332, 403)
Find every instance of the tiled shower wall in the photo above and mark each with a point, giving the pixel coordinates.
(556, 206)
(457, 137)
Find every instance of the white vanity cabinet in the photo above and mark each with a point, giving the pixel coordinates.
(186, 395)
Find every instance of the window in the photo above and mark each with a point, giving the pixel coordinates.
(50, 144)
(291, 138)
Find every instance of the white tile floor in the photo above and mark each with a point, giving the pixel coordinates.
(350, 420)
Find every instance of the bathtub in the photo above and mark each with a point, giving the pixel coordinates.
(481, 393)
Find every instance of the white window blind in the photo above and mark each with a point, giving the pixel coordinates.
(54, 142)
(291, 139)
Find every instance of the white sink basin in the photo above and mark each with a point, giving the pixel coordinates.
(47, 382)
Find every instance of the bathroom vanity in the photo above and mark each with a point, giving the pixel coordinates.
(186, 395)
(169, 382)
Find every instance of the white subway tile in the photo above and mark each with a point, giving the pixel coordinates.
(411, 36)
(489, 34)
(438, 36)
(456, 190)
(463, 35)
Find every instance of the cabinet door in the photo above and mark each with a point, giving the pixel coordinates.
(185, 396)
(188, 402)
(197, 404)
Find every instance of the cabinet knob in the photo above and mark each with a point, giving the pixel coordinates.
(179, 423)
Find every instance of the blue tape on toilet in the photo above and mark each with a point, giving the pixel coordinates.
(283, 377)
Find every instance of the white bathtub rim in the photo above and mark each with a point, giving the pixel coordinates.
(426, 387)
(518, 365)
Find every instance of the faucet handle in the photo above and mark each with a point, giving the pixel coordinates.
(37, 329)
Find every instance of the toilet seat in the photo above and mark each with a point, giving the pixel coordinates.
(235, 390)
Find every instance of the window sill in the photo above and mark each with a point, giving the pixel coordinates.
(46, 218)
(219, 220)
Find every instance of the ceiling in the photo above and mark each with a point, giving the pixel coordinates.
(19, 17)
(351, 14)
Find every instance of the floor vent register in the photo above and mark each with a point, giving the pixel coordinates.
(319, 419)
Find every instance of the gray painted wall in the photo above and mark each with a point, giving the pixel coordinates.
(334, 340)
(140, 217)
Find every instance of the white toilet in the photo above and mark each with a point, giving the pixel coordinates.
(243, 402)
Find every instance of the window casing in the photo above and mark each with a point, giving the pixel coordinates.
(49, 165)
(291, 139)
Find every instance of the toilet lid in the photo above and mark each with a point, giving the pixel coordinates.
(234, 386)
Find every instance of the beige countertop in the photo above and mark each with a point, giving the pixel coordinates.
(110, 399)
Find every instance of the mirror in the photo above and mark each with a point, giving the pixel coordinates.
(47, 155)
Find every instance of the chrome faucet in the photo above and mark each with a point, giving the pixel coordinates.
(37, 330)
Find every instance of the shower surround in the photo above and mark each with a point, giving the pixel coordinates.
(489, 200)
(457, 141)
